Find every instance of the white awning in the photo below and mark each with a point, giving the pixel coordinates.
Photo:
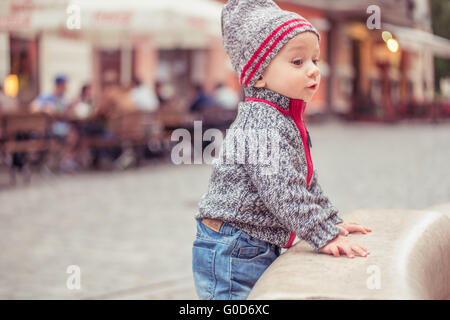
(168, 22)
(415, 39)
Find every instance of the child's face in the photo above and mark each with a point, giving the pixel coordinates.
(294, 72)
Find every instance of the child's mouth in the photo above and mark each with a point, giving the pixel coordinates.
(313, 87)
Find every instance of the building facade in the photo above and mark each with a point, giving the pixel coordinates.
(366, 78)
(361, 77)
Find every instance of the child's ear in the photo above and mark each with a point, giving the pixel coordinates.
(260, 83)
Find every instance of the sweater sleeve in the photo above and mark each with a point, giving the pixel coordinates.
(283, 191)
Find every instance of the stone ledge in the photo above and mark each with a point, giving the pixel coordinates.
(410, 256)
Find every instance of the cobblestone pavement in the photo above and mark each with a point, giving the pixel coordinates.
(131, 232)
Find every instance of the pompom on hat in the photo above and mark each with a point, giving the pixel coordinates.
(254, 31)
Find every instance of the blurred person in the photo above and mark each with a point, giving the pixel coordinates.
(82, 107)
(241, 229)
(202, 100)
(115, 100)
(226, 97)
(53, 103)
(143, 97)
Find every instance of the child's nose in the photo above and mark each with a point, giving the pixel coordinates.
(313, 71)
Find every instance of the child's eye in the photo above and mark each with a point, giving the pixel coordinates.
(316, 61)
(297, 62)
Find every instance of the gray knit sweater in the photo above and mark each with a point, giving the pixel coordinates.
(268, 204)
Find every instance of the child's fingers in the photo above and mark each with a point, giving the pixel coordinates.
(359, 250)
(360, 229)
(347, 250)
(357, 228)
(354, 228)
(343, 231)
(357, 224)
(335, 251)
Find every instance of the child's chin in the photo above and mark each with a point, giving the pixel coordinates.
(305, 96)
(307, 99)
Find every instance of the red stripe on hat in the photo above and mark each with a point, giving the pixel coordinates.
(263, 45)
(263, 58)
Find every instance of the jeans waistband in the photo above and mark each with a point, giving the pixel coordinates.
(228, 229)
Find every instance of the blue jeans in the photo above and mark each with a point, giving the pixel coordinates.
(227, 264)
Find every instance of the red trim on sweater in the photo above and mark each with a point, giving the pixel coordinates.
(274, 44)
(296, 110)
(291, 240)
(263, 45)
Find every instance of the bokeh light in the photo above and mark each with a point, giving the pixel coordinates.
(392, 45)
(11, 85)
(386, 35)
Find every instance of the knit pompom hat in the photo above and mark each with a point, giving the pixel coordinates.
(254, 31)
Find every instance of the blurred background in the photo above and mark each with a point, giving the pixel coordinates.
(91, 91)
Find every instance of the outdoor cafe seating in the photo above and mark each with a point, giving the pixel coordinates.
(23, 135)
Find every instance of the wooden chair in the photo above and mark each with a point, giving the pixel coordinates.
(2, 159)
(136, 130)
(23, 134)
(218, 117)
(132, 131)
(172, 120)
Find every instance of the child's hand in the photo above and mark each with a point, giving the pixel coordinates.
(342, 245)
(349, 227)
